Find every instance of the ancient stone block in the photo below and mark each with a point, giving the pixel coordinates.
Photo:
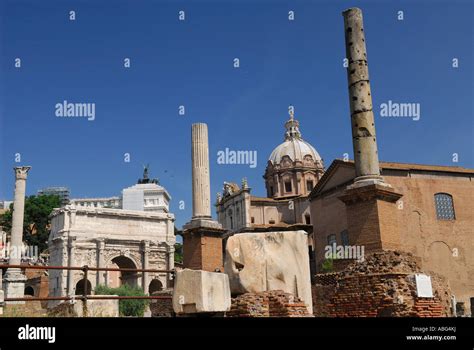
(197, 291)
(265, 261)
(98, 308)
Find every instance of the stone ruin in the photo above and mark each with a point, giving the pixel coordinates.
(381, 285)
(275, 303)
(269, 261)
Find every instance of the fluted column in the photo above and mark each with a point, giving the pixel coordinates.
(71, 247)
(360, 99)
(202, 236)
(14, 278)
(100, 277)
(145, 247)
(200, 173)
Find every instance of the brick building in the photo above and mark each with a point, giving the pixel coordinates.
(434, 220)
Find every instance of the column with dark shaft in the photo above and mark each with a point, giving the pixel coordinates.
(360, 99)
(14, 278)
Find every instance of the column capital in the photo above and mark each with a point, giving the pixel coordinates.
(71, 241)
(100, 243)
(145, 245)
(21, 172)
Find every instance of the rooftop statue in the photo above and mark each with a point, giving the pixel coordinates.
(146, 179)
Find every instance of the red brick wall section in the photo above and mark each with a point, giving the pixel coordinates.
(162, 307)
(192, 252)
(382, 285)
(202, 252)
(274, 303)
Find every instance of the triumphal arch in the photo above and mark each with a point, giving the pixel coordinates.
(102, 237)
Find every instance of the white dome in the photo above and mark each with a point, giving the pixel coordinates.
(294, 148)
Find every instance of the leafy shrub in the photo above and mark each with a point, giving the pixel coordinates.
(327, 265)
(130, 307)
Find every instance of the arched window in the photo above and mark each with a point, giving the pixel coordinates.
(444, 206)
(29, 291)
(331, 239)
(80, 287)
(155, 286)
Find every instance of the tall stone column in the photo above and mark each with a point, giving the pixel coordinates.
(202, 236)
(371, 209)
(200, 172)
(360, 100)
(14, 278)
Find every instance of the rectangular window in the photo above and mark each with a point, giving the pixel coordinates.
(345, 238)
(307, 219)
(444, 206)
(309, 185)
(331, 239)
(288, 186)
(271, 191)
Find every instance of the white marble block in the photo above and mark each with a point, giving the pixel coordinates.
(265, 261)
(197, 291)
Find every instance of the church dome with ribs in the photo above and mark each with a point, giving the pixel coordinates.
(294, 146)
(294, 167)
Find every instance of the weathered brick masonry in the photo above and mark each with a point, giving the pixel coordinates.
(275, 303)
(382, 285)
(162, 307)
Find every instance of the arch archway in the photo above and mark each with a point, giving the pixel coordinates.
(155, 286)
(80, 287)
(29, 290)
(119, 278)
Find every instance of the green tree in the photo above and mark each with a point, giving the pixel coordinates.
(178, 253)
(127, 307)
(36, 225)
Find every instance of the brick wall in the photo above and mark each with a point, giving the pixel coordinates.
(162, 307)
(275, 303)
(192, 253)
(444, 246)
(202, 252)
(382, 285)
(212, 254)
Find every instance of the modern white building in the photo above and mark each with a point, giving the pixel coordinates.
(146, 195)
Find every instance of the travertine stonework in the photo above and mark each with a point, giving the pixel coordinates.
(265, 261)
(202, 236)
(360, 98)
(200, 171)
(110, 238)
(197, 291)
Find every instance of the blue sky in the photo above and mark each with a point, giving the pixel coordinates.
(190, 63)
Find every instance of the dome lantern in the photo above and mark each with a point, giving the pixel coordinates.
(294, 166)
